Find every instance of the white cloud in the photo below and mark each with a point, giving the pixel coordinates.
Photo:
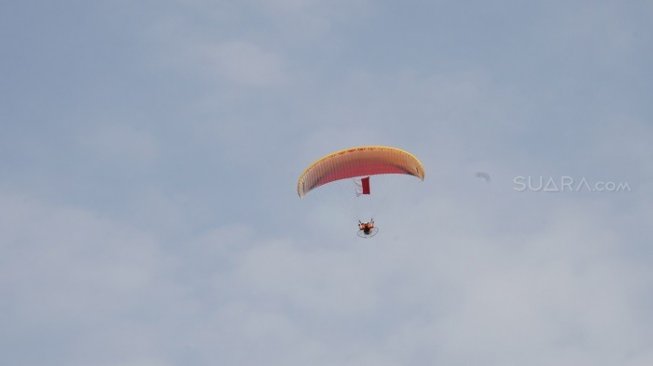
(118, 141)
(245, 63)
(561, 294)
(71, 279)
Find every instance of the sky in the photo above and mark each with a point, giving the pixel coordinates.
(149, 153)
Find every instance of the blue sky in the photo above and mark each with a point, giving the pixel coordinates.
(150, 150)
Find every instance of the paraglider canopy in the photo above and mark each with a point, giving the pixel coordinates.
(356, 162)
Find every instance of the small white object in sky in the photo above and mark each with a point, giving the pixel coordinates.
(483, 175)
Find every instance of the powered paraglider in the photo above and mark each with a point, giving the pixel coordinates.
(361, 161)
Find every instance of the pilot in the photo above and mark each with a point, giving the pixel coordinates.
(366, 227)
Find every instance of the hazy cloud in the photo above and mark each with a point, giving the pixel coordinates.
(245, 63)
(148, 213)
